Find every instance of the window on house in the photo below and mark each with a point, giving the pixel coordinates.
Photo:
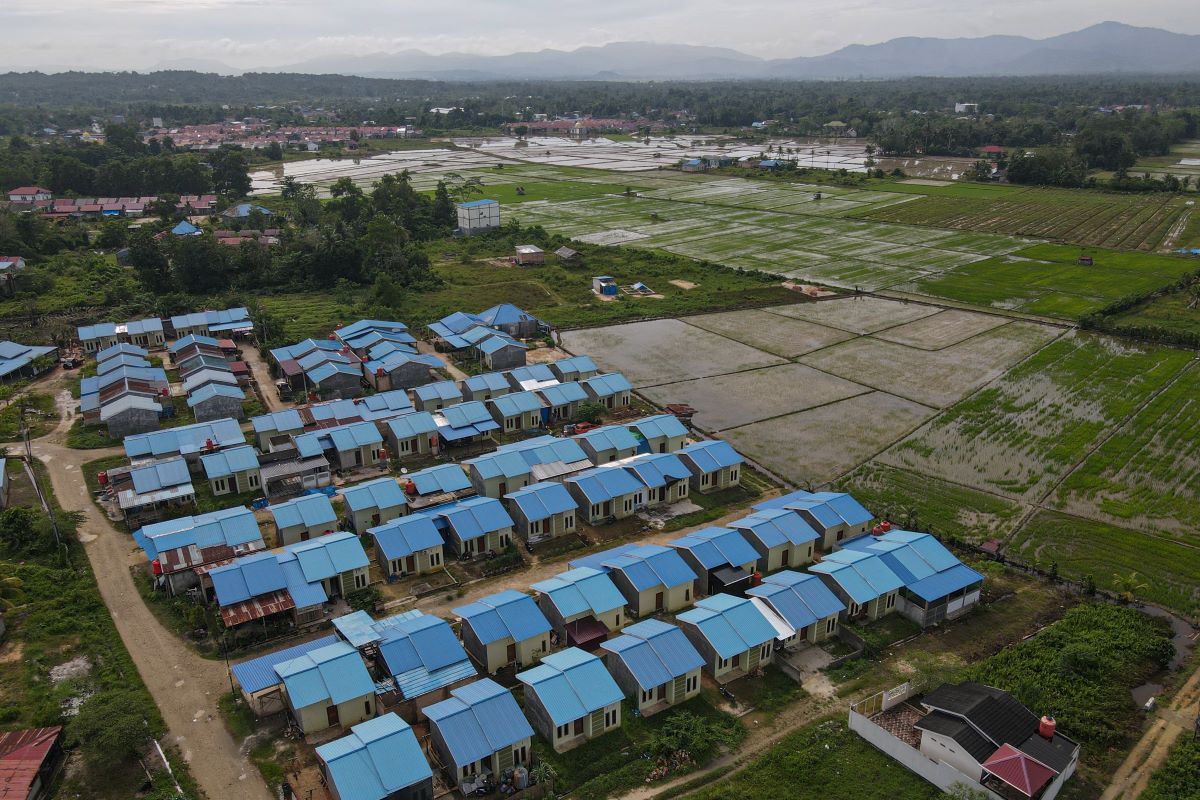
(610, 718)
(691, 684)
(733, 475)
(638, 499)
(397, 565)
(625, 400)
(628, 504)
(595, 511)
(405, 446)
(891, 601)
(562, 730)
(647, 695)
(705, 479)
(367, 707)
(360, 580)
(505, 539)
(510, 423)
(569, 521)
(683, 489)
(831, 624)
(253, 480)
(617, 619)
(724, 663)
(687, 595)
(435, 558)
(764, 651)
(535, 527)
(855, 608)
(220, 484)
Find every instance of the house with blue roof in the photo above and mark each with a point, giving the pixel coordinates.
(485, 386)
(542, 511)
(861, 580)
(276, 423)
(561, 401)
(666, 478)
(803, 603)
(408, 545)
(106, 365)
(497, 473)
(336, 561)
(611, 390)
(511, 320)
(606, 493)
(189, 441)
(130, 413)
(356, 445)
(570, 698)
(379, 759)
(382, 406)
(365, 333)
(149, 491)
(608, 443)
(546, 458)
(373, 502)
(176, 547)
(411, 435)
(478, 731)
(715, 465)
(654, 579)
(721, 558)
(654, 664)
(500, 352)
(327, 687)
(232, 471)
(260, 684)
(465, 423)
(201, 361)
(203, 377)
(436, 396)
(192, 345)
(217, 401)
(435, 485)
(583, 605)
(334, 379)
(122, 349)
(476, 526)
(302, 518)
(732, 635)
(781, 537)
(937, 586)
(660, 433)
(145, 333)
(504, 628)
(834, 515)
(516, 412)
(574, 369)
(423, 657)
(227, 322)
(531, 377)
(243, 211)
(397, 367)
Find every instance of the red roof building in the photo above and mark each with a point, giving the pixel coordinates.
(28, 761)
(1018, 770)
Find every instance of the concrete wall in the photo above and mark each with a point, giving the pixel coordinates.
(417, 445)
(498, 486)
(425, 562)
(237, 483)
(218, 407)
(316, 717)
(132, 421)
(508, 357)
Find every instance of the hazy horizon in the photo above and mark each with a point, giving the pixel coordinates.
(253, 34)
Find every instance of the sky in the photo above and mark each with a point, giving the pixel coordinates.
(249, 34)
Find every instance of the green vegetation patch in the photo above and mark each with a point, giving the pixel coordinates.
(41, 415)
(1179, 777)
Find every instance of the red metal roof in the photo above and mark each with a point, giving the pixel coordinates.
(1018, 770)
(257, 608)
(22, 754)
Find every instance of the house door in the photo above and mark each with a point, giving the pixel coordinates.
(503, 488)
(737, 661)
(787, 557)
(659, 605)
(375, 520)
(410, 564)
(802, 633)
(332, 713)
(608, 508)
(662, 692)
(511, 655)
(579, 727)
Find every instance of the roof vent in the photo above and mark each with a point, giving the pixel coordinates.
(1047, 726)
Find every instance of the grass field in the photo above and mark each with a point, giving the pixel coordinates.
(1169, 311)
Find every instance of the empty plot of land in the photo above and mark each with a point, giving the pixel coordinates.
(726, 401)
(942, 330)
(857, 314)
(665, 351)
(783, 336)
(823, 443)
(932, 377)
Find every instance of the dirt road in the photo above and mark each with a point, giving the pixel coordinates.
(185, 686)
(262, 377)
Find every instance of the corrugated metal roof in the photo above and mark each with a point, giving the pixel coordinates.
(331, 674)
(229, 527)
(505, 615)
(404, 536)
(310, 510)
(531, 372)
(255, 674)
(327, 370)
(384, 405)
(494, 344)
(652, 565)
(710, 455)
(120, 360)
(354, 435)
(121, 348)
(478, 516)
(441, 390)
(516, 403)
(439, 479)
(328, 555)
(540, 501)
(571, 684)
(659, 425)
(800, 599)
(575, 367)
(829, 508)
(870, 566)
(602, 484)
(500, 463)
(609, 437)
(657, 469)
(378, 493)
(654, 652)
(410, 426)
(186, 439)
(160, 475)
(561, 394)
(486, 382)
(715, 547)
(775, 527)
(478, 720)
(287, 421)
(581, 590)
(422, 653)
(377, 759)
(731, 624)
(247, 577)
(228, 462)
(205, 376)
(504, 314)
(924, 564)
(608, 384)
(366, 325)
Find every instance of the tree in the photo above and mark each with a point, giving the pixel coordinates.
(1128, 586)
(200, 264)
(230, 174)
(113, 234)
(590, 412)
(150, 263)
(25, 532)
(443, 207)
(274, 151)
(111, 727)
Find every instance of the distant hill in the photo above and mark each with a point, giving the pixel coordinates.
(1104, 48)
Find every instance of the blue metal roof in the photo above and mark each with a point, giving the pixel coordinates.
(828, 508)
(186, 439)
(545, 450)
(228, 527)
(379, 758)
(360, 629)
(193, 339)
(384, 405)
(154, 375)
(717, 547)
(923, 563)
(531, 372)
(494, 344)
(422, 654)
(601, 484)
(246, 577)
(657, 469)
(303, 592)
(946, 582)
(226, 462)
(775, 527)
(211, 390)
(478, 720)
(478, 203)
(288, 421)
(378, 493)
(870, 567)
(659, 425)
(478, 516)
(332, 674)
(125, 402)
(710, 455)
(311, 444)
(465, 420)
(120, 360)
(608, 384)
(160, 475)
(504, 314)
(367, 325)
(206, 375)
(458, 322)
(399, 357)
(597, 560)
(294, 351)
(499, 463)
(516, 403)
(410, 426)
(800, 599)
(441, 390)
(404, 536)
(439, 479)
(330, 368)
(651, 565)
(120, 348)
(575, 367)
(571, 684)
(355, 435)
(256, 674)
(384, 345)
(732, 625)
(654, 652)
(486, 382)
(540, 501)
(580, 591)
(310, 511)
(609, 437)
(227, 319)
(561, 394)
(505, 615)
(328, 555)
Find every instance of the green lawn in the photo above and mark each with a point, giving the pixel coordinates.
(41, 415)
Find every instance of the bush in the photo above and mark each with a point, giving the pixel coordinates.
(364, 599)
(111, 727)
(691, 733)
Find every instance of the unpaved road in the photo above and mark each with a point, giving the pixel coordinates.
(262, 377)
(185, 686)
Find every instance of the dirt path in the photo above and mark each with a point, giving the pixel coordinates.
(447, 366)
(185, 686)
(1151, 751)
(262, 377)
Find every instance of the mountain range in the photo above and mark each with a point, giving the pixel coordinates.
(1107, 47)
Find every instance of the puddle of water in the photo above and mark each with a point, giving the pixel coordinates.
(1144, 692)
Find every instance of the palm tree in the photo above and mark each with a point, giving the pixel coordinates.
(1128, 586)
(11, 592)
(543, 772)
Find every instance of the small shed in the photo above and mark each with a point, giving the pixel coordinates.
(605, 285)
(529, 255)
